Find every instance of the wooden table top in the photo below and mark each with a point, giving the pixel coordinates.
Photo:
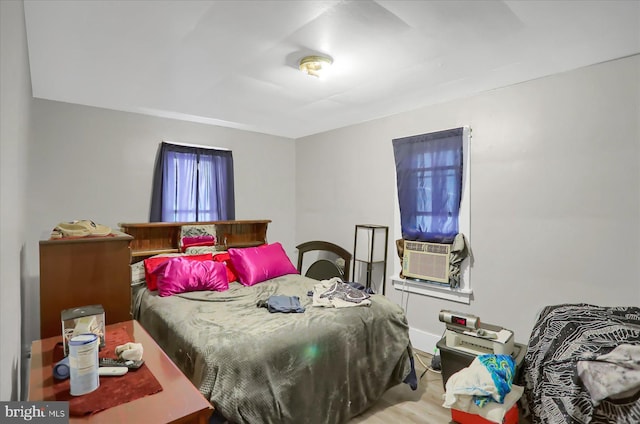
(178, 402)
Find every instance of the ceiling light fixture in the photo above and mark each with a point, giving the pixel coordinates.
(315, 65)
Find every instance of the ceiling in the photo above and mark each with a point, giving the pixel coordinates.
(235, 63)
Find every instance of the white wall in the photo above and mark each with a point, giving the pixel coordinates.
(15, 108)
(92, 163)
(554, 203)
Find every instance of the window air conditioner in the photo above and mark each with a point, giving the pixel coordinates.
(426, 261)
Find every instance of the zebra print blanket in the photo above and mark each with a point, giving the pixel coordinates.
(562, 335)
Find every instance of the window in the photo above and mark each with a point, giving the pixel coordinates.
(192, 184)
(429, 171)
(433, 201)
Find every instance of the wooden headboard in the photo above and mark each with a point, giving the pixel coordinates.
(154, 238)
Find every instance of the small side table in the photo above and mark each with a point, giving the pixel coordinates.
(178, 402)
(370, 251)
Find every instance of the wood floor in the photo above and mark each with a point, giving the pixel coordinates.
(402, 405)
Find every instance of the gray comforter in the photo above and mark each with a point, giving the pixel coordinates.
(325, 365)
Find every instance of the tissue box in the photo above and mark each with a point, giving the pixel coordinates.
(461, 417)
(82, 320)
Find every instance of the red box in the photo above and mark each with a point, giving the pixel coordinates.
(511, 417)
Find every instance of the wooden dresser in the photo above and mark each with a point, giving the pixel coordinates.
(84, 271)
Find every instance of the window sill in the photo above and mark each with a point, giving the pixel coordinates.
(432, 290)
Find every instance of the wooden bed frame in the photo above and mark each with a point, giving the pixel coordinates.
(324, 269)
(154, 238)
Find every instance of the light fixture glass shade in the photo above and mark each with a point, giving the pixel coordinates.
(315, 65)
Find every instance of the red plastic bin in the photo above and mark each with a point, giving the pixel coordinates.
(461, 417)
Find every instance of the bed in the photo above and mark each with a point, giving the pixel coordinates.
(325, 365)
(571, 372)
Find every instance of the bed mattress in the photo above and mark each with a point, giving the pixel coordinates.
(325, 365)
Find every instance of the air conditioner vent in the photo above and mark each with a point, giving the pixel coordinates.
(426, 261)
(417, 246)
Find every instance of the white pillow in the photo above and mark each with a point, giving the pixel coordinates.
(137, 273)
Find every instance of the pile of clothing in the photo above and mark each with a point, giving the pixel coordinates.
(80, 228)
(284, 304)
(484, 388)
(335, 293)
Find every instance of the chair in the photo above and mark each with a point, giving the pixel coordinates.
(324, 269)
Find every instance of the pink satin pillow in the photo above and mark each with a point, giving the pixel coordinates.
(180, 275)
(152, 263)
(254, 265)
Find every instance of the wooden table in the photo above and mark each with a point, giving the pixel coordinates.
(178, 402)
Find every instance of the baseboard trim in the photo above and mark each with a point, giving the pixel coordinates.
(423, 340)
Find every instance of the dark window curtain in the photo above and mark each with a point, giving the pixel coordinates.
(429, 174)
(192, 184)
